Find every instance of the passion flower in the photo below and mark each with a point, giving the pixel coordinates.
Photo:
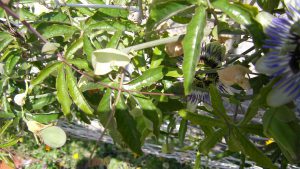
(283, 58)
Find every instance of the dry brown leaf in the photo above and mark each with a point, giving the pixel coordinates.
(235, 74)
(174, 49)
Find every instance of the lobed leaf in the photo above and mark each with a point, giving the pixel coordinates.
(73, 48)
(268, 5)
(163, 11)
(75, 93)
(114, 40)
(112, 26)
(257, 102)
(9, 143)
(242, 16)
(11, 63)
(104, 112)
(182, 131)
(80, 64)
(62, 91)
(87, 46)
(127, 126)
(281, 124)
(149, 111)
(217, 103)
(248, 148)
(45, 73)
(45, 118)
(39, 103)
(54, 30)
(201, 119)
(191, 47)
(210, 141)
(5, 40)
(148, 78)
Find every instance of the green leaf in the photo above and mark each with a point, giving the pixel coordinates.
(113, 26)
(6, 115)
(7, 112)
(210, 141)
(157, 57)
(5, 40)
(10, 52)
(281, 124)
(127, 126)
(50, 48)
(104, 112)
(75, 94)
(257, 102)
(5, 127)
(80, 64)
(164, 11)
(45, 73)
(73, 48)
(268, 5)
(253, 10)
(201, 119)
(114, 13)
(54, 17)
(11, 63)
(10, 143)
(191, 47)
(173, 72)
(242, 16)
(25, 14)
(144, 125)
(148, 78)
(182, 131)
(149, 111)
(45, 118)
(249, 149)
(82, 11)
(54, 30)
(114, 40)
(87, 46)
(217, 103)
(62, 91)
(43, 101)
(256, 129)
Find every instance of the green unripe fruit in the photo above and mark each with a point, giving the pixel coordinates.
(53, 136)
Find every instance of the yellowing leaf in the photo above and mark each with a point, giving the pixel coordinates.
(104, 60)
(235, 75)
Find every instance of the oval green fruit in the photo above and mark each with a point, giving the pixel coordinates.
(53, 136)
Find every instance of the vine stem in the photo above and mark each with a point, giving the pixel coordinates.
(112, 87)
(153, 43)
(136, 47)
(16, 16)
(112, 114)
(99, 6)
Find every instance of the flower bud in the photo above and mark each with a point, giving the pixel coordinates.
(19, 99)
(265, 19)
